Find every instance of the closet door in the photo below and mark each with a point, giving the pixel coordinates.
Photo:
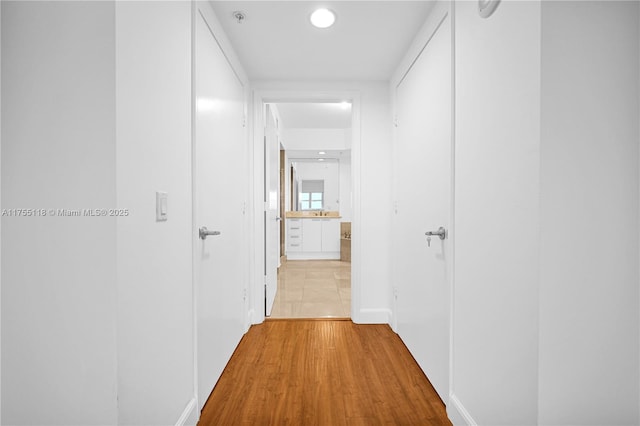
(423, 263)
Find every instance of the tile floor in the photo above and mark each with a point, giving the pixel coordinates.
(313, 289)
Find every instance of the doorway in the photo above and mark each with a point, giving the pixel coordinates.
(311, 144)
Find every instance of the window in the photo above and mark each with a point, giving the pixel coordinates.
(311, 201)
(312, 195)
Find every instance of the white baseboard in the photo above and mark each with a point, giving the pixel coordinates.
(250, 319)
(333, 255)
(392, 321)
(372, 316)
(459, 415)
(182, 421)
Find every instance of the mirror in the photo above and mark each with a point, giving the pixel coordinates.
(315, 184)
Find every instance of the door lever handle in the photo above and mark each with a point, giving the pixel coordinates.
(441, 232)
(204, 232)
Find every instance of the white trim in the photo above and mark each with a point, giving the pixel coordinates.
(426, 43)
(323, 255)
(1, 232)
(393, 319)
(264, 96)
(194, 278)
(373, 316)
(356, 212)
(250, 319)
(452, 223)
(186, 412)
(458, 414)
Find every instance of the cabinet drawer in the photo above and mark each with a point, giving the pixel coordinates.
(294, 246)
(294, 223)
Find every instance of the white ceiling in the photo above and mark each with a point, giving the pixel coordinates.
(329, 155)
(314, 115)
(277, 42)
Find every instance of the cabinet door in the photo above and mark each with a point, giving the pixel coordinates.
(330, 235)
(312, 235)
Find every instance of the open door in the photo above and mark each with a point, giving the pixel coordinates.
(271, 202)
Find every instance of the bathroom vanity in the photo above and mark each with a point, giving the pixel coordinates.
(313, 235)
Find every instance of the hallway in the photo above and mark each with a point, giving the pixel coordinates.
(322, 372)
(486, 141)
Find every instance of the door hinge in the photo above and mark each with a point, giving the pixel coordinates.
(395, 121)
(244, 121)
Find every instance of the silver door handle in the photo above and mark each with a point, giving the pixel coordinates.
(204, 232)
(278, 218)
(441, 232)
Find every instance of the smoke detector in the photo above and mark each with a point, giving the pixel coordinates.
(239, 16)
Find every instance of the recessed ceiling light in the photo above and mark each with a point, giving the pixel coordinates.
(322, 153)
(323, 18)
(320, 159)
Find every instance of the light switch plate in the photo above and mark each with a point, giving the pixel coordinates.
(161, 206)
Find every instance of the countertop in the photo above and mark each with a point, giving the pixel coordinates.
(313, 215)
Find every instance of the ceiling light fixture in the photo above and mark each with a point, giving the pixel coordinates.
(321, 153)
(323, 18)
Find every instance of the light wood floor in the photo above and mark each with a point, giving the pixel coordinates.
(313, 289)
(322, 372)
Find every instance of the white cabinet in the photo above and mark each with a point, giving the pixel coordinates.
(313, 238)
(312, 235)
(330, 235)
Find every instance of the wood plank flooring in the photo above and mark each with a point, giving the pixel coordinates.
(322, 372)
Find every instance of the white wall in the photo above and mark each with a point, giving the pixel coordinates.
(316, 139)
(155, 305)
(548, 163)
(589, 214)
(100, 330)
(374, 200)
(58, 273)
(495, 321)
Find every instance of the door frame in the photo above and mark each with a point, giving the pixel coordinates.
(260, 97)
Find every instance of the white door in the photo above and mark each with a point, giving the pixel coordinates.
(424, 204)
(272, 221)
(218, 204)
